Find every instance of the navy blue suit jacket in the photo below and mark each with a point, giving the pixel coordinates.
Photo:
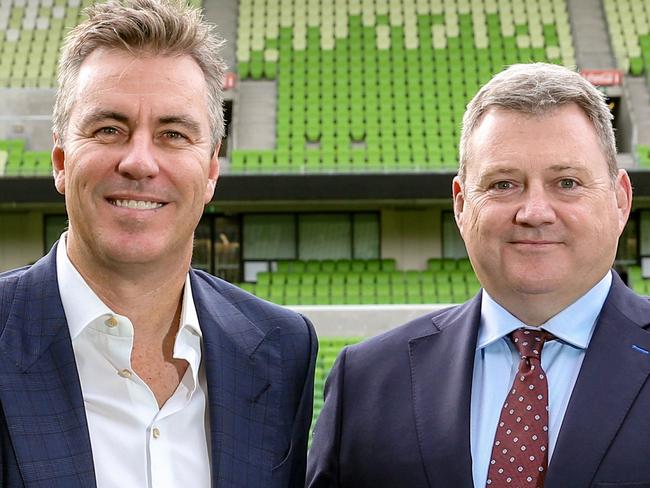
(259, 362)
(397, 407)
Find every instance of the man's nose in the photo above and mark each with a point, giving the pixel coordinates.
(139, 160)
(536, 207)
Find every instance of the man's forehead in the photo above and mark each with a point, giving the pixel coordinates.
(106, 69)
(119, 82)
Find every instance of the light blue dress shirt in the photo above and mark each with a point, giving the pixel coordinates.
(496, 363)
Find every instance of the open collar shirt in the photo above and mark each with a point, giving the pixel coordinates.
(496, 362)
(134, 442)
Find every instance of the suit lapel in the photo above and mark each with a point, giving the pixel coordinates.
(611, 376)
(242, 365)
(40, 391)
(441, 376)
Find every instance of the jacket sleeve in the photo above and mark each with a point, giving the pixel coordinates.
(323, 469)
(297, 455)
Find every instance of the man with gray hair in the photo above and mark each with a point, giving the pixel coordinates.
(541, 379)
(120, 366)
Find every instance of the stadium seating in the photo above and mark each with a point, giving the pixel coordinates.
(382, 85)
(19, 161)
(643, 155)
(31, 32)
(629, 31)
(328, 349)
(348, 282)
(636, 281)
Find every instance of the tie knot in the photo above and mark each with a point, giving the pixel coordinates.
(529, 342)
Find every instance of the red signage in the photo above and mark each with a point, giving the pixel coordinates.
(230, 80)
(603, 77)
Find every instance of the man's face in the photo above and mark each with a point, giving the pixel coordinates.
(538, 210)
(136, 166)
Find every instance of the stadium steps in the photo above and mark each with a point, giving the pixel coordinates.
(590, 34)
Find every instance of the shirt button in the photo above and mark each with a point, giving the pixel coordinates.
(125, 373)
(156, 432)
(111, 322)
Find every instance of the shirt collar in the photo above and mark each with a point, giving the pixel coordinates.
(82, 306)
(573, 325)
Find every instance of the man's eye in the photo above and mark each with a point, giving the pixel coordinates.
(172, 134)
(502, 185)
(567, 183)
(107, 131)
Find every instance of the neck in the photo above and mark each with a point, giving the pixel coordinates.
(534, 310)
(150, 295)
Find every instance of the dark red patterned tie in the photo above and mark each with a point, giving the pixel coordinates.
(520, 453)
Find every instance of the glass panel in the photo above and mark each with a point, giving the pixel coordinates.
(227, 248)
(271, 236)
(366, 236)
(325, 236)
(453, 246)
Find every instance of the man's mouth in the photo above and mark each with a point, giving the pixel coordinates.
(136, 204)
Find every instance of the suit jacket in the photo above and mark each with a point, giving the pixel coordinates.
(259, 360)
(397, 407)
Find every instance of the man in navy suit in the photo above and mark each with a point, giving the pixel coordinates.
(120, 366)
(540, 204)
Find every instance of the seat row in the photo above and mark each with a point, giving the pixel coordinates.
(16, 160)
(373, 87)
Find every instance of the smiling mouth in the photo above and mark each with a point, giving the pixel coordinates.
(136, 204)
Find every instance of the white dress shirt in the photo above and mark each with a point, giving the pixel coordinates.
(134, 442)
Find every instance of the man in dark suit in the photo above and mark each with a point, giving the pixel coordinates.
(541, 379)
(119, 365)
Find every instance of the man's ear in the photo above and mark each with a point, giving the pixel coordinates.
(458, 196)
(58, 164)
(213, 175)
(623, 197)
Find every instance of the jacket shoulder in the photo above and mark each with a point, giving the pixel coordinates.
(8, 284)
(255, 308)
(397, 339)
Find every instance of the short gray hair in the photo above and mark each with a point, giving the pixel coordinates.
(537, 89)
(158, 27)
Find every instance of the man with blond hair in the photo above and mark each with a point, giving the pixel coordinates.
(541, 379)
(120, 366)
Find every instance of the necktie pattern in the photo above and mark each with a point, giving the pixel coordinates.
(519, 455)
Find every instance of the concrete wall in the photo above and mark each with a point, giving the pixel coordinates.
(27, 114)
(21, 238)
(411, 236)
(361, 320)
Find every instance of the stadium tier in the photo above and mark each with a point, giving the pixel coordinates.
(382, 86)
(629, 30)
(31, 32)
(354, 282)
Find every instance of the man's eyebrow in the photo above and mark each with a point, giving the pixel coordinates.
(102, 115)
(569, 166)
(188, 122)
(498, 171)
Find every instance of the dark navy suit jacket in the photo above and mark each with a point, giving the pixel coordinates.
(259, 362)
(397, 407)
